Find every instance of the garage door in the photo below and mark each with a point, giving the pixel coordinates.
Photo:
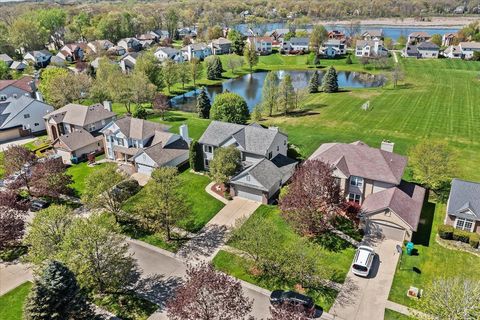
(385, 231)
(144, 169)
(249, 193)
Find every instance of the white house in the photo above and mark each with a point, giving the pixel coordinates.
(197, 50)
(333, 48)
(39, 58)
(164, 53)
(296, 44)
(262, 45)
(370, 48)
(22, 116)
(422, 50)
(468, 48)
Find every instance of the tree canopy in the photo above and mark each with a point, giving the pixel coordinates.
(229, 107)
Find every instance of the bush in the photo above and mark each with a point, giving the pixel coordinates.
(460, 235)
(474, 240)
(445, 232)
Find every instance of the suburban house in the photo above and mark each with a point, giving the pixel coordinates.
(186, 32)
(463, 206)
(422, 50)
(197, 50)
(22, 116)
(18, 66)
(279, 34)
(370, 48)
(160, 34)
(73, 52)
(336, 34)
(164, 53)
(263, 45)
(128, 61)
(6, 59)
(373, 35)
(116, 51)
(296, 44)
(130, 44)
(24, 86)
(38, 58)
(145, 144)
(74, 130)
(265, 165)
(464, 50)
(99, 46)
(453, 52)
(333, 48)
(449, 39)
(418, 37)
(149, 37)
(372, 177)
(221, 46)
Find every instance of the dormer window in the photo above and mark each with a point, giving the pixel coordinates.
(356, 181)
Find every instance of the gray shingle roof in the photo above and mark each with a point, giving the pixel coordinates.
(5, 57)
(138, 128)
(163, 154)
(75, 140)
(464, 197)
(80, 115)
(12, 107)
(358, 159)
(427, 45)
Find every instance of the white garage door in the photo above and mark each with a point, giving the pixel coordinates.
(144, 169)
(249, 193)
(381, 230)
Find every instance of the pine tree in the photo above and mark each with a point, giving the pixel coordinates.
(57, 296)
(330, 81)
(314, 83)
(203, 105)
(195, 159)
(286, 96)
(214, 67)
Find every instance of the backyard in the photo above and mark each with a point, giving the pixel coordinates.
(335, 258)
(11, 303)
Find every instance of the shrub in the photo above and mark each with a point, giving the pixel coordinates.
(460, 235)
(474, 240)
(445, 232)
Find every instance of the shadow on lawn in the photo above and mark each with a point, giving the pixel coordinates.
(422, 236)
(332, 242)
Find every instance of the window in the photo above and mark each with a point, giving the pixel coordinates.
(15, 95)
(3, 97)
(464, 224)
(270, 155)
(120, 141)
(36, 124)
(278, 148)
(206, 162)
(26, 116)
(354, 197)
(356, 181)
(284, 142)
(208, 149)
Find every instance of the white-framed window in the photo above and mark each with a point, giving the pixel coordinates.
(354, 197)
(208, 149)
(120, 141)
(464, 224)
(270, 154)
(356, 181)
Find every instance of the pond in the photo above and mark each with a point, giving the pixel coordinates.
(250, 86)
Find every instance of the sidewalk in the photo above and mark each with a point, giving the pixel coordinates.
(12, 275)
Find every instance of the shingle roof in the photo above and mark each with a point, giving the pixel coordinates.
(5, 57)
(406, 201)
(470, 45)
(358, 159)
(163, 154)
(10, 108)
(169, 51)
(464, 196)
(80, 115)
(363, 43)
(75, 140)
(427, 45)
(138, 128)
(221, 40)
(22, 83)
(419, 34)
(373, 33)
(252, 138)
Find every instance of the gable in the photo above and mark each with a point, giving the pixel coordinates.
(144, 158)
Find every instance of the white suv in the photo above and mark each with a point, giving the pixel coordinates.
(362, 263)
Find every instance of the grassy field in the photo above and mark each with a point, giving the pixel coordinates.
(336, 258)
(11, 303)
(432, 260)
(393, 315)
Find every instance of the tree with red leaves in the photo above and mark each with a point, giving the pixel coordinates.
(287, 311)
(12, 226)
(312, 199)
(49, 179)
(161, 104)
(209, 295)
(19, 160)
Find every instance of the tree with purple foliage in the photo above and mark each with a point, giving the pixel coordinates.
(49, 179)
(287, 311)
(12, 227)
(18, 161)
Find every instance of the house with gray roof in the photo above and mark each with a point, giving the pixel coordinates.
(418, 37)
(265, 165)
(296, 44)
(165, 53)
(25, 86)
(374, 34)
(6, 58)
(199, 51)
(221, 46)
(372, 177)
(463, 206)
(421, 50)
(38, 58)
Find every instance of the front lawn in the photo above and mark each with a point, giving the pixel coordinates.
(393, 315)
(333, 253)
(432, 261)
(11, 303)
(79, 173)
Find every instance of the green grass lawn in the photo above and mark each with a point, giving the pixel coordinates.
(393, 315)
(336, 257)
(11, 303)
(79, 173)
(432, 261)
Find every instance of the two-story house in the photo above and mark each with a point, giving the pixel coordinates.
(130, 44)
(99, 46)
(296, 44)
(167, 53)
(370, 48)
(38, 58)
(197, 50)
(128, 61)
(418, 37)
(265, 165)
(73, 52)
(25, 86)
(422, 50)
(375, 35)
(221, 46)
(372, 177)
(262, 45)
(74, 130)
(145, 144)
(333, 48)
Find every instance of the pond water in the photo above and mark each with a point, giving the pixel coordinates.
(250, 86)
(389, 31)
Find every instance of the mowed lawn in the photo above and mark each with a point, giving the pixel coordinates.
(393, 315)
(439, 100)
(11, 303)
(79, 173)
(432, 261)
(335, 262)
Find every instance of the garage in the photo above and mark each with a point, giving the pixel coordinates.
(144, 169)
(385, 230)
(249, 193)
(10, 134)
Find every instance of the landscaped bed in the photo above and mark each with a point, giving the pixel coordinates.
(334, 254)
(11, 303)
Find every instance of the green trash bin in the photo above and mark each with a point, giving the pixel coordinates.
(409, 248)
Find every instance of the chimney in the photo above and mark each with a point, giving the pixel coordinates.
(273, 128)
(184, 133)
(107, 105)
(387, 145)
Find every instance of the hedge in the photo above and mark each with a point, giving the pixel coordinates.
(445, 232)
(460, 235)
(474, 240)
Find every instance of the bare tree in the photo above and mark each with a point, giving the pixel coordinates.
(397, 75)
(161, 104)
(287, 311)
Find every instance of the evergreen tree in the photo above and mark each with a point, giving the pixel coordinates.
(314, 83)
(214, 67)
(286, 97)
(203, 105)
(57, 296)
(330, 81)
(195, 159)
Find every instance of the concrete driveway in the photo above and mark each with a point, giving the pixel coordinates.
(16, 142)
(366, 298)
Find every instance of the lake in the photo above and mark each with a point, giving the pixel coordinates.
(389, 31)
(250, 86)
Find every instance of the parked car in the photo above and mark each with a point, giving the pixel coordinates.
(38, 204)
(279, 297)
(362, 263)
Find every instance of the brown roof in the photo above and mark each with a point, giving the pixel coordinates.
(163, 154)
(138, 128)
(80, 115)
(22, 83)
(358, 159)
(406, 201)
(76, 140)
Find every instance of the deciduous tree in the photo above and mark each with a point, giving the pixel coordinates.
(170, 70)
(160, 104)
(397, 74)
(251, 56)
(196, 70)
(229, 107)
(437, 39)
(12, 225)
(50, 179)
(171, 22)
(26, 33)
(270, 92)
(149, 65)
(287, 311)
(4, 71)
(184, 73)
(225, 163)
(318, 36)
(214, 32)
(237, 41)
(203, 104)
(286, 94)
(19, 160)
(209, 295)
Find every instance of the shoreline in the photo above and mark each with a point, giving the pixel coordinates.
(436, 22)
